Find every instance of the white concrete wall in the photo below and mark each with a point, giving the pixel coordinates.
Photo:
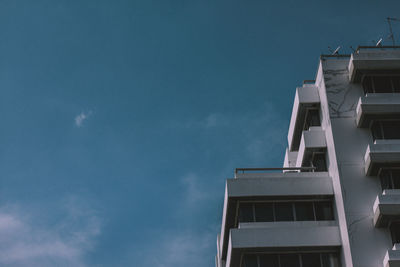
(355, 193)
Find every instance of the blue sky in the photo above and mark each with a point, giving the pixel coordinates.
(121, 120)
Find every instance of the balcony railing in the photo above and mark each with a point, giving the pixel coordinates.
(298, 169)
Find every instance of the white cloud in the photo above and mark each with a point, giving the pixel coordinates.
(26, 242)
(79, 119)
(193, 191)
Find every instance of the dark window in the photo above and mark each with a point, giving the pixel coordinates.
(304, 211)
(289, 260)
(312, 119)
(310, 260)
(395, 232)
(381, 84)
(269, 260)
(390, 178)
(264, 212)
(385, 130)
(323, 211)
(246, 213)
(330, 260)
(250, 260)
(319, 162)
(284, 211)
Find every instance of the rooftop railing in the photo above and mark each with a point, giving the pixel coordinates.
(300, 169)
(377, 47)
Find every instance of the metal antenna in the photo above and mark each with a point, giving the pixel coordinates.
(334, 52)
(391, 36)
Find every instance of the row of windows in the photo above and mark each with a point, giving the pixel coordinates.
(381, 84)
(291, 260)
(286, 211)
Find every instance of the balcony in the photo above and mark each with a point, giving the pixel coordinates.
(306, 98)
(264, 186)
(387, 207)
(392, 257)
(383, 153)
(312, 140)
(368, 60)
(376, 107)
(281, 237)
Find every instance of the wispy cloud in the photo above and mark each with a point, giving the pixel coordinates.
(80, 118)
(193, 192)
(26, 242)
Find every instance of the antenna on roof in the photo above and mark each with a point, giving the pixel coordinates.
(379, 43)
(334, 52)
(391, 36)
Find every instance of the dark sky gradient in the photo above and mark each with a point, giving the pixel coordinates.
(176, 94)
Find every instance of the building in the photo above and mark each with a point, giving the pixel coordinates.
(336, 201)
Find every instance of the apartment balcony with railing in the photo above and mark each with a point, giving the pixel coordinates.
(263, 211)
(373, 60)
(305, 114)
(383, 153)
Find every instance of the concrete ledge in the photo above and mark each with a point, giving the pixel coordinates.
(264, 186)
(372, 60)
(387, 208)
(377, 106)
(306, 97)
(284, 238)
(383, 153)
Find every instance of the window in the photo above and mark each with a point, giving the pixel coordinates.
(323, 211)
(395, 232)
(319, 162)
(246, 213)
(280, 211)
(385, 129)
(284, 212)
(304, 211)
(311, 119)
(390, 178)
(291, 260)
(381, 84)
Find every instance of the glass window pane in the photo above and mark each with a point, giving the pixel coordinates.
(367, 84)
(330, 260)
(269, 260)
(376, 130)
(323, 210)
(310, 260)
(384, 176)
(304, 211)
(246, 212)
(395, 232)
(264, 212)
(289, 260)
(250, 260)
(396, 179)
(396, 83)
(312, 119)
(319, 162)
(391, 129)
(283, 211)
(383, 84)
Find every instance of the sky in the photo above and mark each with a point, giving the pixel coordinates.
(121, 120)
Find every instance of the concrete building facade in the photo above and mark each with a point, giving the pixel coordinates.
(336, 201)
